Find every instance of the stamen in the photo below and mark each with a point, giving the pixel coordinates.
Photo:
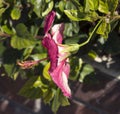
(29, 64)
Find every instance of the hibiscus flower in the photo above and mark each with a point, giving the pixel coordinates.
(59, 63)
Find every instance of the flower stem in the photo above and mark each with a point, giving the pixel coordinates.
(91, 34)
(42, 59)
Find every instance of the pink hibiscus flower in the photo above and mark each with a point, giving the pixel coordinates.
(59, 66)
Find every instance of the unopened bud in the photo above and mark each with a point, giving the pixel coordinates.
(27, 64)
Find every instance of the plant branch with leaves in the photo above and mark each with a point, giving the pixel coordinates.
(47, 48)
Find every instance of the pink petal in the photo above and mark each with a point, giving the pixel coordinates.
(52, 49)
(57, 33)
(66, 69)
(60, 78)
(48, 21)
(58, 27)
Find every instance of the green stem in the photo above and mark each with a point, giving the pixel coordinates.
(115, 18)
(89, 38)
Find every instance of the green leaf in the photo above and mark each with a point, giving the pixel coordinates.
(15, 14)
(108, 29)
(70, 6)
(59, 100)
(46, 72)
(22, 39)
(76, 3)
(39, 57)
(86, 70)
(2, 7)
(20, 43)
(92, 54)
(75, 15)
(27, 52)
(6, 29)
(104, 29)
(56, 102)
(34, 30)
(10, 1)
(103, 6)
(9, 58)
(49, 8)
(48, 95)
(1, 1)
(32, 88)
(68, 29)
(112, 4)
(63, 100)
(91, 5)
(38, 6)
(21, 31)
(75, 38)
(62, 5)
(72, 40)
(76, 64)
(71, 28)
(2, 10)
(72, 14)
(9, 69)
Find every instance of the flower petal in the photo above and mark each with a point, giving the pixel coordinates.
(57, 33)
(66, 69)
(48, 21)
(61, 79)
(52, 49)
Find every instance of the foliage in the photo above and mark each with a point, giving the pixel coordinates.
(93, 24)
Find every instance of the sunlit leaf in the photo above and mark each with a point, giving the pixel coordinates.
(22, 39)
(20, 43)
(91, 5)
(104, 29)
(49, 8)
(92, 54)
(70, 14)
(6, 29)
(46, 72)
(2, 10)
(81, 16)
(103, 6)
(62, 5)
(15, 14)
(86, 70)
